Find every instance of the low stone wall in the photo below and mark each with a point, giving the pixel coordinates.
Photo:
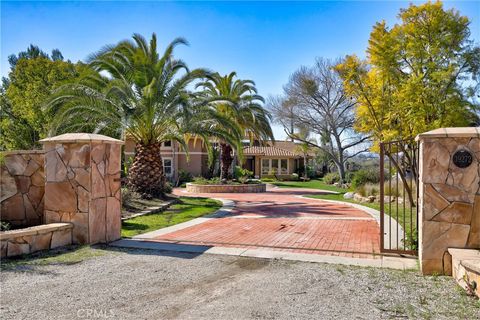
(22, 188)
(28, 240)
(226, 188)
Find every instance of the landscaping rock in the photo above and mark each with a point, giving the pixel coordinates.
(349, 195)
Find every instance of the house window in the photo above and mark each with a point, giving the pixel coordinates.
(167, 143)
(274, 166)
(167, 166)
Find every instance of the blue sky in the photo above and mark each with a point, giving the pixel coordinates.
(263, 41)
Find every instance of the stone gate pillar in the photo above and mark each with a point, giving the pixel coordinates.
(82, 185)
(449, 195)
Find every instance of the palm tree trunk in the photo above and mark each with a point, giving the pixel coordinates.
(146, 173)
(226, 160)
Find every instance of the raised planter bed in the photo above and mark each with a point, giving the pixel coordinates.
(226, 188)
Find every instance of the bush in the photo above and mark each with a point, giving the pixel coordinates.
(349, 176)
(204, 181)
(4, 226)
(368, 189)
(331, 178)
(362, 177)
(242, 174)
(184, 176)
(167, 188)
(268, 180)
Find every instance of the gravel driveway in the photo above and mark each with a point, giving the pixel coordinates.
(137, 284)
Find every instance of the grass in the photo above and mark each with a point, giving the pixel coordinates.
(62, 256)
(187, 209)
(312, 184)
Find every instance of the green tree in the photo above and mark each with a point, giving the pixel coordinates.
(138, 93)
(419, 75)
(33, 76)
(238, 101)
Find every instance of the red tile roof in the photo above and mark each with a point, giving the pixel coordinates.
(268, 152)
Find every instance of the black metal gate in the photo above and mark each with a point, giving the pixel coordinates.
(398, 197)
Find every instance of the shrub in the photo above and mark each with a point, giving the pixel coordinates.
(167, 188)
(349, 176)
(242, 174)
(295, 177)
(331, 178)
(184, 176)
(368, 189)
(362, 177)
(4, 226)
(204, 181)
(268, 180)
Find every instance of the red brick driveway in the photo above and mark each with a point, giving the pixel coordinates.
(282, 220)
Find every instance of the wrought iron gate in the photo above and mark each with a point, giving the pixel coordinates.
(398, 197)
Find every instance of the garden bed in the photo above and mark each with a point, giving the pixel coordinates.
(226, 188)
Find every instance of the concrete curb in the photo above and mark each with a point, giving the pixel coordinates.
(224, 211)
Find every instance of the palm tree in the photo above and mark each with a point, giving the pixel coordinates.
(134, 92)
(238, 101)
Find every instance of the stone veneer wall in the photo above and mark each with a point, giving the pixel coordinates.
(28, 240)
(22, 188)
(227, 188)
(449, 212)
(83, 185)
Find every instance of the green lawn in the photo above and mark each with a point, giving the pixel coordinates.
(312, 184)
(187, 209)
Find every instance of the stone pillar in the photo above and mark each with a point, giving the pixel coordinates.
(449, 195)
(82, 185)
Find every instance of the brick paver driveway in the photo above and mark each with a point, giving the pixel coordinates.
(282, 220)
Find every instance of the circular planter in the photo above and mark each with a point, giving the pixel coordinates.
(226, 188)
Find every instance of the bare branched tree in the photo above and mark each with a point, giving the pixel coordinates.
(314, 98)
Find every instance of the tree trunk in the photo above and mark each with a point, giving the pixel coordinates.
(146, 173)
(226, 160)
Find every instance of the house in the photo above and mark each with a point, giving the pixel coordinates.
(275, 158)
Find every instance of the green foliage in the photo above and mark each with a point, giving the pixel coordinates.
(33, 77)
(236, 101)
(202, 180)
(419, 75)
(411, 240)
(268, 179)
(368, 189)
(331, 178)
(364, 176)
(184, 176)
(4, 226)
(242, 174)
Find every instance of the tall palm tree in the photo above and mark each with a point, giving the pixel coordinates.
(238, 101)
(134, 92)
